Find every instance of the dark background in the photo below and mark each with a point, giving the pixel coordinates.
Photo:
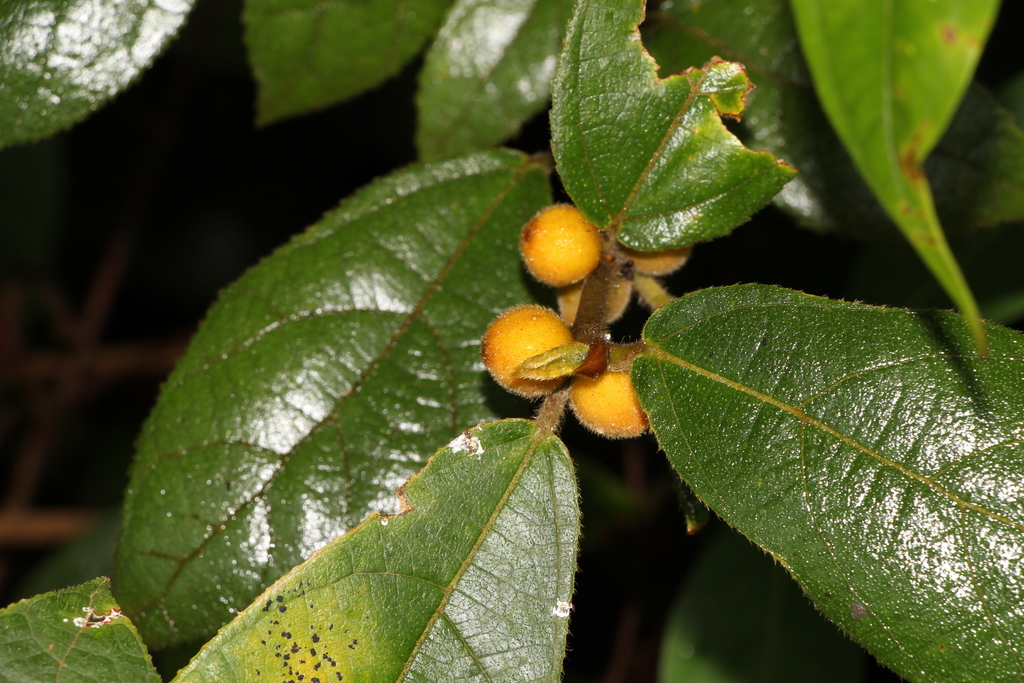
(116, 236)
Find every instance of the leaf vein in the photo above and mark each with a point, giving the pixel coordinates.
(799, 414)
(467, 561)
(982, 598)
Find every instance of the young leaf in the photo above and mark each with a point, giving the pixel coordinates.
(741, 619)
(472, 581)
(62, 60)
(869, 450)
(318, 383)
(309, 55)
(488, 71)
(975, 170)
(890, 76)
(74, 635)
(649, 157)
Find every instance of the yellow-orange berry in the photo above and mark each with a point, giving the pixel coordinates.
(517, 334)
(619, 294)
(657, 262)
(560, 246)
(608, 405)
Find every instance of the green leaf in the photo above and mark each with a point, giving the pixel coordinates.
(488, 72)
(741, 619)
(318, 384)
(979, 165)
(309, 54)
(61, 60)
(975, 169)
(472, 581)
(869, 450)
(74, 635)
(894, 276)
(890, 76)
(650, 158)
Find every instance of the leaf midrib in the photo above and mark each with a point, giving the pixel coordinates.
(537, 439)
(432, 288)
(662, 355)
(684, 108)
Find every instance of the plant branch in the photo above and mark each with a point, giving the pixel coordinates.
(41, 528)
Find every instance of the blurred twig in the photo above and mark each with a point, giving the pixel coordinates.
(110, 364)
(67, 376)
(27, 528)
(49, 405)
(54, 383)
(620, 665)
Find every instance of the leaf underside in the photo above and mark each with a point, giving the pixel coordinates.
(890, 76)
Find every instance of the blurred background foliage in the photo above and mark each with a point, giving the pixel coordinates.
(116, 236)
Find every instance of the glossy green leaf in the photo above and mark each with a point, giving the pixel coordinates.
(471, 582)
(975, 170)
(310, 54)
(741, 619)
(60, 60)
(74, 635)
(319, 382)
(870, 451)
(890, 76)
(649, 157)
(487, 73)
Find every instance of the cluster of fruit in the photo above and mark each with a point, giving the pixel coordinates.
(530, 350)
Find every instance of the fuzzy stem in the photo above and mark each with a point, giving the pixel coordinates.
(651, 291)
(590, 326)
(620, 356)
(549, 416)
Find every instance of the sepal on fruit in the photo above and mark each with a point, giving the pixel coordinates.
(560, 361)
(516, 335)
